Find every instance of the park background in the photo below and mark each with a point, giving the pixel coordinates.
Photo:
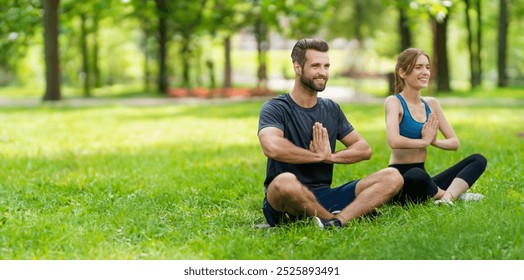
(129, 127)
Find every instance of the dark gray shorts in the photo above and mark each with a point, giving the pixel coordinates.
(333, 199)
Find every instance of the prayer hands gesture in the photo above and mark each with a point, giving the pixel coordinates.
(320, 144)
(430, 129)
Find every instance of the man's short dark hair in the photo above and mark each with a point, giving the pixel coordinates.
(298, 53)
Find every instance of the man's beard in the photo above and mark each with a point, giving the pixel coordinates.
(309, 83)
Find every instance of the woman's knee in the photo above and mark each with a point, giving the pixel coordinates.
(416, 175)
(481, 160)
(419, 185)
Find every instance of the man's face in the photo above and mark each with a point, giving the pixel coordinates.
(315, 72)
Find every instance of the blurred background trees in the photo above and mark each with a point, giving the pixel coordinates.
(148, 46)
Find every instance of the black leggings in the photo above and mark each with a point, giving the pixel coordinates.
(419, 186)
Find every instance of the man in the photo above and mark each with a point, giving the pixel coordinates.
(298, 133)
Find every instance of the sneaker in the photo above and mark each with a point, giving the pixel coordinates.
(467, 196)
(262, 226)
(444, 202)
(333, 223)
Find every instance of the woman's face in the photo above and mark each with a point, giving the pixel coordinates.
(419, 76)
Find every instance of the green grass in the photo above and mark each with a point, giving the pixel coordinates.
(185, 182)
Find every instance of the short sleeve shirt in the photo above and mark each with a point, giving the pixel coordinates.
(297, 123)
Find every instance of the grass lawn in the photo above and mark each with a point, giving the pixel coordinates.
(185, 182)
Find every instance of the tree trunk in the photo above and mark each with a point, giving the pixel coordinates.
(440, 53)
(86, 73)
(52, 61)
(227, 62)
(211, 70)
(186, 56)
(162, 46)
(358, 18)
(478, 77)
(474, 43)
(97, 79)
(405, 33)
(470, 44)
(502, 44)
(147, 73)
(262, 47)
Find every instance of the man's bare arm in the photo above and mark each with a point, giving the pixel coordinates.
(277, 147)
(357, 149)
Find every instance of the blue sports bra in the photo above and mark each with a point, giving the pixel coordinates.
(408, 126)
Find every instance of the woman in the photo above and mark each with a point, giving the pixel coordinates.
(412, 124)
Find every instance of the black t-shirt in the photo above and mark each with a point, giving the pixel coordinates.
(297, 124)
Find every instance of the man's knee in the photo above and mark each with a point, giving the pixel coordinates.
(285, 177)
(285, 184)
(394, 179)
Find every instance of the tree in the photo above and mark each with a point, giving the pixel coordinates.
(264, 16)
(52, 63)
(163, 39)
(181, 19)
(405, 32)
(438, 10)
(86, 71)
(226, 17)
(261, 29)
(186, 22)
(20, 20)
(406, 14)
(144, 11)
(301, 18)
(502, 44)
(477, 79)
(356, 20)
(85, 35)
(101, 9)
(305, 18)
(440, 54)
(474, 45)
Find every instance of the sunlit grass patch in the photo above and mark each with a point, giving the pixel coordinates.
(185, 182)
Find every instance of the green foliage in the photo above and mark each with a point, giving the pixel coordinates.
(185, 182)
(20, 19)
(227, 16)
(437, 9)
(306, 18)
(123, 34)
(185, 16)
(356, 19)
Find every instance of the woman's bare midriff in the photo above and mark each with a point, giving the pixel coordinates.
(403, 156)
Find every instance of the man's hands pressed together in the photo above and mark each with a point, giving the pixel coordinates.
(320, 143)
